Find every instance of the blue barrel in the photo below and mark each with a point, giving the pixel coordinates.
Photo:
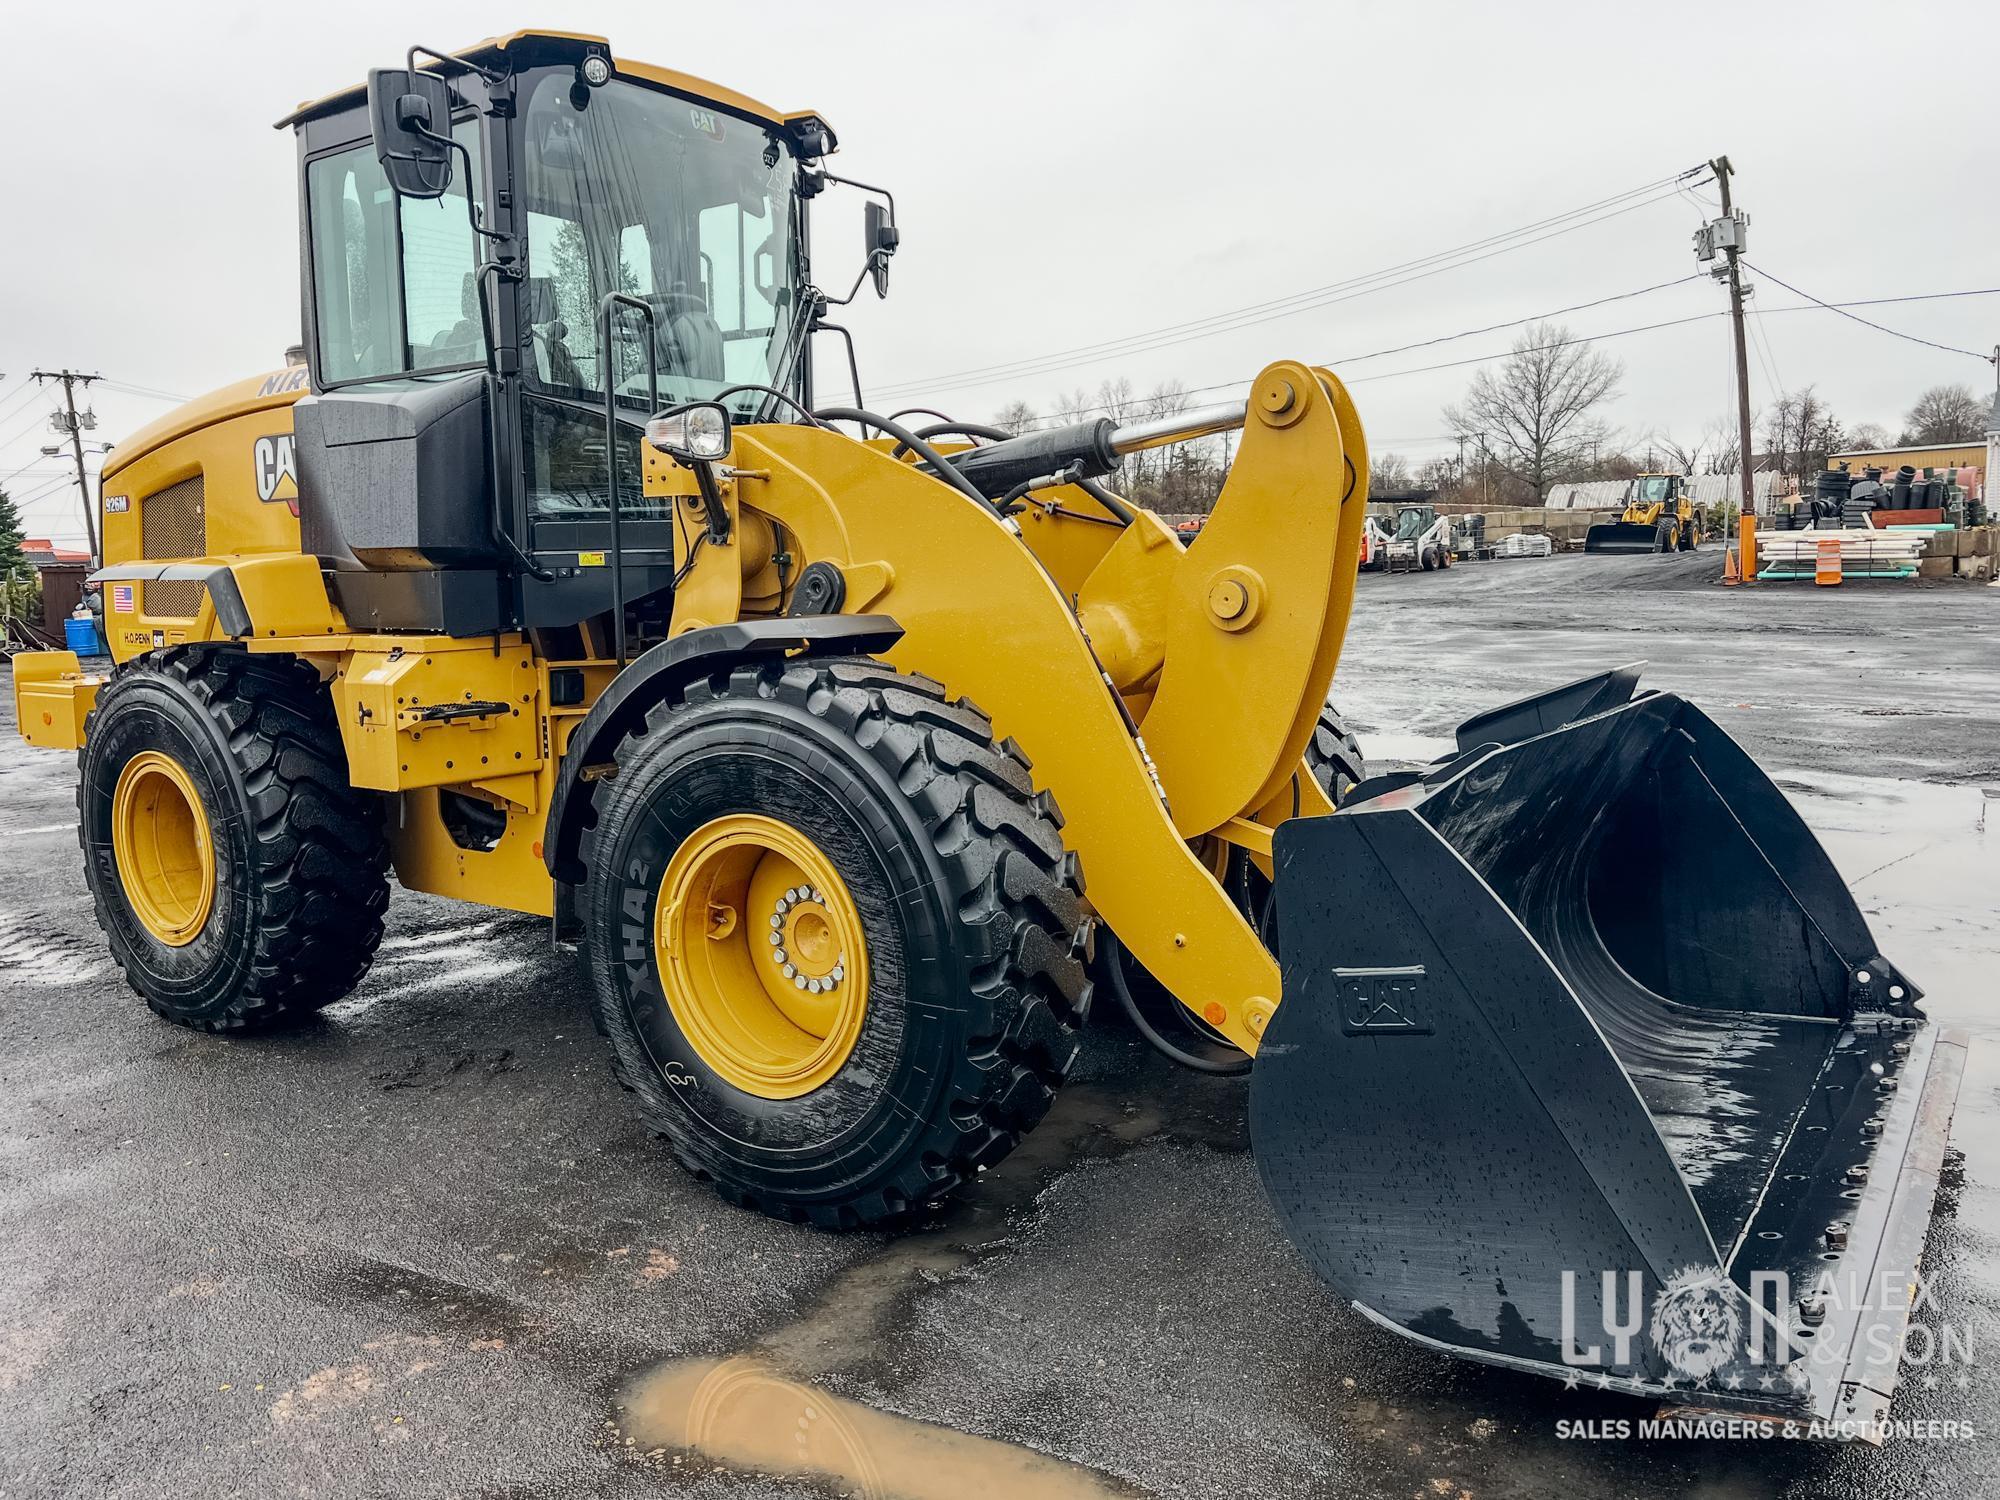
(82, 637)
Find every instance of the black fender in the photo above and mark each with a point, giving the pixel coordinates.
(230, 612)
(665, 670)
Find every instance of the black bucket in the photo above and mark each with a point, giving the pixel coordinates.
(1581, 1025)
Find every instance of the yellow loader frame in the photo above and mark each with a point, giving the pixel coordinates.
(1077, 634)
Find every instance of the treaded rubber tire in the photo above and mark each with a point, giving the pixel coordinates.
(1333, 755)
(301, 857)
(972, 909)
(1663, 537)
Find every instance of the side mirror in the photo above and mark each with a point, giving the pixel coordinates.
(409, 115)
(880, 232)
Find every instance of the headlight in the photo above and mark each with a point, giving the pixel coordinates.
(597, 70)
(691, 433)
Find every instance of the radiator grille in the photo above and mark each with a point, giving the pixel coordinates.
(173, 523)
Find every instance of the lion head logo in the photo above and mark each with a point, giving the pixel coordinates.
(1695, 1323)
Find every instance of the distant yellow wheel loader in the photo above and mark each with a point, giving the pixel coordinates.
(1659, 516)
(856, 761)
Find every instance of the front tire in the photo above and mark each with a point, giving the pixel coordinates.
(942, 872)
(239, 878)
(1333, 755)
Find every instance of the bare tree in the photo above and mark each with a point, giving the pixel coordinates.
(1440, 474)
(1535, 410)
(1116, 400)
(1715, 451)
(1015, 417)
(1684, 457)
(1073, 407)
(1389, 474)
(1869, 435)
(1800, 430)
(1945, 414)
(1723, 440)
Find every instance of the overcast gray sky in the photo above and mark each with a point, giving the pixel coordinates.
(1072, 174)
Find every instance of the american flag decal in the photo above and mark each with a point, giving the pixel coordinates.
(121, 598)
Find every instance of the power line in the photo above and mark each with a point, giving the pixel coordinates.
(32, 472)
(1343, 361)
(1346, 360)
(1312, 300)
(1841, 308)
(1150, 345)
(147, 391)
(1767, 357)
(1337, 286)
(33, 417)
(24, 390)
(48, 491)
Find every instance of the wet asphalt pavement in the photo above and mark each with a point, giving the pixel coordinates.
(422, 1247)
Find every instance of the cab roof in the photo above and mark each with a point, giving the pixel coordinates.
(579, 41)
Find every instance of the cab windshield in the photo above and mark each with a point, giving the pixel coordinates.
(1654, 487)
(626, 189)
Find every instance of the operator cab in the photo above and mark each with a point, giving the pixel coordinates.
(509, 253)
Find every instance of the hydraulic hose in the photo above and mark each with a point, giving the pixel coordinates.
(907, 439)
(1111, 954)
(1104, 497)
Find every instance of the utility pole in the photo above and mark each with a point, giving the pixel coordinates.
(1726, 235)
(67, 420)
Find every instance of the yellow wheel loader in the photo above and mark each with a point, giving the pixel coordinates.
(1659, 516)
(855, 755)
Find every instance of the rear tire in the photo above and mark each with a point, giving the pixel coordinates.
(294, 873)
(967, 905)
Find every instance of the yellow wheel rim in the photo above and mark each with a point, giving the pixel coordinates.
(761, 955)
(161, 843)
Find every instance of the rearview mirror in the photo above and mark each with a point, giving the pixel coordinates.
(409, 115)
(880, 232)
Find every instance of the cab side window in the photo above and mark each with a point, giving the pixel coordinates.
(393, 285)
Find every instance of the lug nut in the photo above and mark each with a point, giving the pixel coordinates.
(1872, 1125)
(1858, 1172)
(1836, 1235)
(1812, 1309)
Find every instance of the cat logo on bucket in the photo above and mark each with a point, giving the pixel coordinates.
(277, 471)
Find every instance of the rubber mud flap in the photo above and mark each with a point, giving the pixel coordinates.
(1583, 1048)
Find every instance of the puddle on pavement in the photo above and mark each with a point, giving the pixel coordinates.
(1923, 861)
(760, 1412)
(1383, 751)
(745, 1416)
(1919, 858)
